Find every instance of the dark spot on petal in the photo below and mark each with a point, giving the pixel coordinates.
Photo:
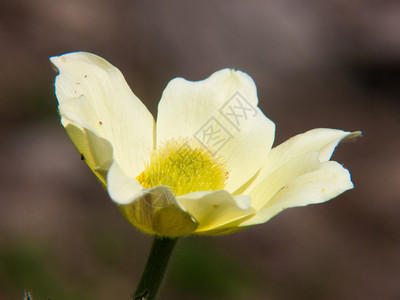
(282, 188)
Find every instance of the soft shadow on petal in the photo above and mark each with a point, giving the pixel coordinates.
(97, 93)
(327, 181)
(216, 210)
(321, 140)
(94, 150)
(221, 113)
(154, 210)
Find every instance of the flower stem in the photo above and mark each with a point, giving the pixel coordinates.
(155, 268)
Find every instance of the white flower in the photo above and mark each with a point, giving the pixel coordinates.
(206, 166)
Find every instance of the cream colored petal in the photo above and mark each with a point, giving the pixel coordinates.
(154, 210)
(321, 140)
(327, 181)
(79, 111)
(122, 188)
(216, 210)
(93, 94)
(226, 229)
(94, 150)
(278, 179)
(221, 113)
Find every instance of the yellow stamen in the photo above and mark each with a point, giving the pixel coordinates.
(185, 166)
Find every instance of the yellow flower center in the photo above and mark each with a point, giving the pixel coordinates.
(185, 166)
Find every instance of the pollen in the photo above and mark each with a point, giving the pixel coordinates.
(185, 166)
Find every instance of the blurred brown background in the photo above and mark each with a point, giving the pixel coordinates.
(333, 63)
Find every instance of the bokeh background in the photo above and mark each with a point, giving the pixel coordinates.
(332, 63)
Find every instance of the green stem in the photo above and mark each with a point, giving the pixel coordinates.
(155, 268)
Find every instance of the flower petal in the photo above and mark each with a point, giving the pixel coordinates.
(154, 210)
(94, 150)
(93, 94)
(122, 188)
(327, 181)
(221, 113)
(216, 210)
(278, 179)
(321, 140)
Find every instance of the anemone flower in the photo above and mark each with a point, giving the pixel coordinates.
(207, 165)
